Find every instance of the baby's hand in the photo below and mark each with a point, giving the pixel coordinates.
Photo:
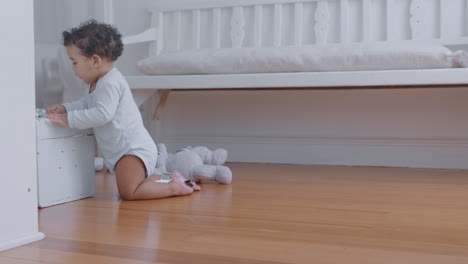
(56, 109)
(59, 119)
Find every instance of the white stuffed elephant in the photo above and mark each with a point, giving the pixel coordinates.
(198, 164)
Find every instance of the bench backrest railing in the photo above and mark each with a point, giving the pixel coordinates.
(259, 23)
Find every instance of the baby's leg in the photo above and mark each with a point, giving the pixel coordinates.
(132, 185)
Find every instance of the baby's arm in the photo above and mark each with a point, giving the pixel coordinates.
(107, 99)
(57, 113)
(75, 105)
(63, 108)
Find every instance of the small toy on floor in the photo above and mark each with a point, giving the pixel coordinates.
(40, 112)
(166, 178)
(198, 164)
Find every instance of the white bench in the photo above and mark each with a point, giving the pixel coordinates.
(264, 23)
(229, 25)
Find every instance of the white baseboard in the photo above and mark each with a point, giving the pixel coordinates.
(406, 152)
(21, 241)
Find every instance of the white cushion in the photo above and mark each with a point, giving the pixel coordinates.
(350, 57)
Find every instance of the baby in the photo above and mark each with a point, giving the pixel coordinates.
(109, 108)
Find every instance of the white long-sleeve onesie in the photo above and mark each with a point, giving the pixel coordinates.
(111, 112)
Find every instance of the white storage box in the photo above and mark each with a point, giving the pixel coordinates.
(65, 161)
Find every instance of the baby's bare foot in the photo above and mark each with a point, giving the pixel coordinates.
(179, 185)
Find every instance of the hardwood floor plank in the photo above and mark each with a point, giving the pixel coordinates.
(165, 226)
(7, 260)
(31, 254)
(272, 213)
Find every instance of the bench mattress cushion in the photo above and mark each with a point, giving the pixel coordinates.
(317, 58)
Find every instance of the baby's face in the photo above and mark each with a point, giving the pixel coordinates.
(83, 66)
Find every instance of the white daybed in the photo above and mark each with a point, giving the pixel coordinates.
(195, 31)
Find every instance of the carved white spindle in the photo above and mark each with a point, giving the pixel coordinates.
(391, 29)
(237, 27)
(443, 19)
(366, 20)
(344, 12)
(298, 12)
(109, 11)
(417, 12)
(217, 28)
(258, 25)
(158, 20)
(278, 25)
(322, 22)
(196, 28)
(466, 17)
(178, 28)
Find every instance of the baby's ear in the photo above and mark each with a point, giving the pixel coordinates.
(96, 59)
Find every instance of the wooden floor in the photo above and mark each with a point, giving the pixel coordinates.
(270, 214)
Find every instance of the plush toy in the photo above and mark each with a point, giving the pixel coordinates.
(198, 164)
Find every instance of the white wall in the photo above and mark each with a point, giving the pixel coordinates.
(18, 190)
(382, 127)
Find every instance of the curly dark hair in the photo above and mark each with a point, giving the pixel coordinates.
(92, 37)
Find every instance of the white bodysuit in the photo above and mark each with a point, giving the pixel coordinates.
(111, 112)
